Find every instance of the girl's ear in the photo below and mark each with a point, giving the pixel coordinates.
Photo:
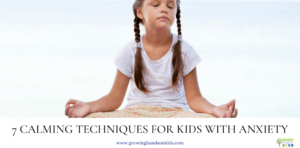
(139, 13)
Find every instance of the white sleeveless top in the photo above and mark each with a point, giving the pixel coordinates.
(159, 82)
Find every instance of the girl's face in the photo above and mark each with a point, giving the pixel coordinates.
(158, 14)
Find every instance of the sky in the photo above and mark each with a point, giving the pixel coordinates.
(52, 52)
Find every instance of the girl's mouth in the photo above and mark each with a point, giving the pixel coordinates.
(163, 18)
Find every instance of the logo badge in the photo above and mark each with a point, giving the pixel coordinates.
(286, 142)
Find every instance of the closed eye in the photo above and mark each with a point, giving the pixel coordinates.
(157, 5)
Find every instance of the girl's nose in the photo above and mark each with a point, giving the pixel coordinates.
(164, 9)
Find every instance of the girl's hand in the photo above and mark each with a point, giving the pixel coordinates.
(223, 111)
(78, 110)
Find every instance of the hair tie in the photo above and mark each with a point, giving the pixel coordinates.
(139, 45)
(180, 37)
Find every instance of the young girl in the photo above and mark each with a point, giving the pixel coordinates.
(161, 69)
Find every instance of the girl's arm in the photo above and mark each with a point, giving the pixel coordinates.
(194, 98)
(113, 100)
(199, 104)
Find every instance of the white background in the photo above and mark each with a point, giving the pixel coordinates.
(204, 139)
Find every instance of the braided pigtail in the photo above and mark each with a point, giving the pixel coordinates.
(138, 66)
(177, 59)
